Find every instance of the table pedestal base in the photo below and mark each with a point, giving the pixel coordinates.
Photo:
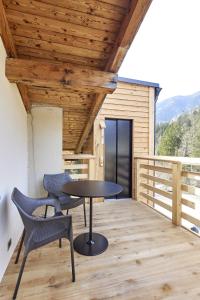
(83, 246)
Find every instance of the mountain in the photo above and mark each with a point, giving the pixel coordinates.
(171, 108)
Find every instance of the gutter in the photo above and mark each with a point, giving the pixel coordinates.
(157, 92)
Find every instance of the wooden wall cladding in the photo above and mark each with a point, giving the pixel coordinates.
(133, 102)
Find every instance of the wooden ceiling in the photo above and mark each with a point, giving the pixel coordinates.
(79, 44)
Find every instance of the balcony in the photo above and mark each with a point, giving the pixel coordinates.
(58, 63)
(149, 257)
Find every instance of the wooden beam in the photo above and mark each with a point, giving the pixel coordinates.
(6, 33)
(9, 45)
(57, 75)
(92, 116)
(129, 28)
(25, 97)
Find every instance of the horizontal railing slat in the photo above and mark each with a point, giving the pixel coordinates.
(76, 166)
(188, 203)
(156, 168)
(190, 189)
(156, 190)
(156, 179)
(172, 159)
(190, 219)
(68, 156)
(156, 201)
(190, 174)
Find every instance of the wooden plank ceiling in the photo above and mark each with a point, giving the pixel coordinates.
(86, 35)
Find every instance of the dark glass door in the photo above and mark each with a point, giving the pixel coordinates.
(118, 154)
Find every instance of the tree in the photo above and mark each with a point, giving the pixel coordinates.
(171, 140)
(181, 137)
(196, 137)
(160, 129)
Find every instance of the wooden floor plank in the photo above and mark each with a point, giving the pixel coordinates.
(148, 259)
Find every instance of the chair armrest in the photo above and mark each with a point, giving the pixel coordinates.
(48, 201)
(56, 218)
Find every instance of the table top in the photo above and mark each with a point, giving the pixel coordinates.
(92, 188)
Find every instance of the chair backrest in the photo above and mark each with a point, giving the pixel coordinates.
(24, 204)
(53, 183)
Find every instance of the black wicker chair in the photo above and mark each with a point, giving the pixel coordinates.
(53, 184)
(41, 231)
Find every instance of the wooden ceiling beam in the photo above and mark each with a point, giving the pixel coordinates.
(65, 75)
(97, 103)
(128, 31)
(9, 45)
(129, 28)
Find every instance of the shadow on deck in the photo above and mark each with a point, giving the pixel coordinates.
(148, 258)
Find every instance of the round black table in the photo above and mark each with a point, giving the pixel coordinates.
(91, 243)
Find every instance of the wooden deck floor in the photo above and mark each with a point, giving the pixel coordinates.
(148, 258)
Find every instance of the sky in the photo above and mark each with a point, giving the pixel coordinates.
(166, 49)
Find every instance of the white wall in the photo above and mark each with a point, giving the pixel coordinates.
(30, 145)
(13, 161)
(45, 146)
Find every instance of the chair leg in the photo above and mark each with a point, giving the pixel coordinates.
(20, 247)
(19, 277)
(84, 210)
(45, 214)
(72, 260)
(67, 211)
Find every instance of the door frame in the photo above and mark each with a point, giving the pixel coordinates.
(131, 173)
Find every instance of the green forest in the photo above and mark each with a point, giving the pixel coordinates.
(180, 137)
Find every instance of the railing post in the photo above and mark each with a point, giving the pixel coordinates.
(176, 193)
(151, 193)
(137, 179)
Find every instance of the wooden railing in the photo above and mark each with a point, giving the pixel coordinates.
(170, 185)
(80, 166)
